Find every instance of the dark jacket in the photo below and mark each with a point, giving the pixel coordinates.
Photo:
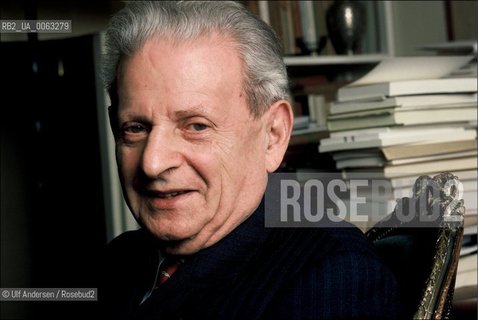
(253, 273)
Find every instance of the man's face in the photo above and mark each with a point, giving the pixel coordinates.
(191, 157)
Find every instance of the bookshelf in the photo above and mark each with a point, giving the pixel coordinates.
(299, 61)
(323, 74)
(318, 75)
(312, 134)
(302, 25)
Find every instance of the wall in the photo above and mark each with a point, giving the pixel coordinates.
(465, 17)
(417, 23)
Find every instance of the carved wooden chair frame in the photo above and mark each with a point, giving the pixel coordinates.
(440, 193)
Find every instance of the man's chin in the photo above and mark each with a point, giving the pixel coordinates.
(176, 243)
(172, 237)
(167, 231)
(183, 247)
(175, 240)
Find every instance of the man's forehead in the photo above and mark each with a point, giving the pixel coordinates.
(213, 53)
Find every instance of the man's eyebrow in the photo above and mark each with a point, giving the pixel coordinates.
(192, 112)
(131, 116)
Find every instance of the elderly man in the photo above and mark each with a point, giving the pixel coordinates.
(201, 116)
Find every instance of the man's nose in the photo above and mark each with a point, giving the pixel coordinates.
(161, 153)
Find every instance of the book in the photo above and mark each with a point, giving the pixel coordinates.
(402, 186)
(407, 87)
(380, 161)
(462, 47)
(392, 117)
(309, 31)
(359, 153)
(388, 137)
(469, 193)
(463, 175)
(407, 151)
(417, 169)
(379, 131)
(433, 157)
(370, 162)
(423, 150)
(318, 109)
(396, 109)
(301, 122)
(263, 7)
(412, 68)
(406, 102)
(286, 23)
(467, 271)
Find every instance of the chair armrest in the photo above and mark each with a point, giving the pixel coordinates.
(436, 197)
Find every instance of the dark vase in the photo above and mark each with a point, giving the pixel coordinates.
(346, 25)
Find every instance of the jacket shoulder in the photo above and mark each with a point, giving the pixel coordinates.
(347, 275)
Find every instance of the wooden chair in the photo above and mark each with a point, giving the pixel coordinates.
(423, 252)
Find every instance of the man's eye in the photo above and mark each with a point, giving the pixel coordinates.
(134, 128)
(198, 126)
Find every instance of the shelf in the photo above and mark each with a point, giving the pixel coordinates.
(330, 60)
(312, 134)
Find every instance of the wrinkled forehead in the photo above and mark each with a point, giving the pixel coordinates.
(211, 61)
(216, 47)
(171, 76)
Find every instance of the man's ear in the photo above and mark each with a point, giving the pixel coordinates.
(279, 123)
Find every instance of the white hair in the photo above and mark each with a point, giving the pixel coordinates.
(265, 78)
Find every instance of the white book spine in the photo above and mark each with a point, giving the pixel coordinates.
(308, 24)
(264, 11)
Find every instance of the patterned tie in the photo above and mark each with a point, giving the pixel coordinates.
(168, 267)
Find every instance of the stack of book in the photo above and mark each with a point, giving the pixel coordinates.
(406, 118)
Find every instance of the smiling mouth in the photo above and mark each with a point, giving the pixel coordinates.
(170, 195)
